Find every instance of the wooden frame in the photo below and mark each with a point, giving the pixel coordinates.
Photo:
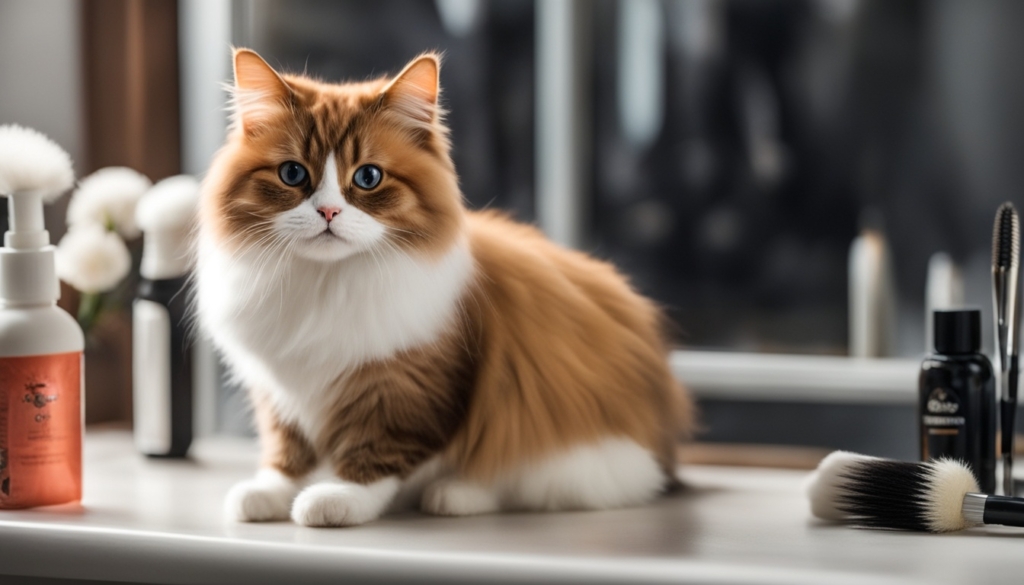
(132, 118)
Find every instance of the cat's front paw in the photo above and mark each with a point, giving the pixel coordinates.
(261, 499)
(343, 503)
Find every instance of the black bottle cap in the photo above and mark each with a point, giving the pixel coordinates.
(957, 331)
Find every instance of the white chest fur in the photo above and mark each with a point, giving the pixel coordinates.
(293, 327)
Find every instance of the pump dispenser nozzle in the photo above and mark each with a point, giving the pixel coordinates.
(33, 170)
(25, 215)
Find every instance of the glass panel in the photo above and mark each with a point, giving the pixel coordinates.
(786, 127)
(487, 73)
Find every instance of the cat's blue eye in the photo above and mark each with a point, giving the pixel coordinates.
(292, 173)
(367, 176)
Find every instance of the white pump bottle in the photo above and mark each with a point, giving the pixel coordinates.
(41, 345)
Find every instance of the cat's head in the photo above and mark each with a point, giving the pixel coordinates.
(328, 171)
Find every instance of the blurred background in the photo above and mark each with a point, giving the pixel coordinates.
(802, 177)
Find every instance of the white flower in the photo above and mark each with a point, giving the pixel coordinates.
(108, 197)
(30, 161)
(91, 259)
(170, 205)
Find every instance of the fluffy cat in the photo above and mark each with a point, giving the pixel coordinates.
(390, 338)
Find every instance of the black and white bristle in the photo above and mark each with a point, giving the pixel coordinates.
(898, 495)
(1006, 237)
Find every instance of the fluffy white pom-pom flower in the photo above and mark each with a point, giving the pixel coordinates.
(92, 259)
(29, 161)
(171, 204)
(108, 197)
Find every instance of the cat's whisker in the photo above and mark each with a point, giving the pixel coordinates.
(266, 247)
(254, 230)
(400, 230)
(400, 239)
(276, 250)
(373, 253)
(281, 282)
(387, 284)
(394, 250)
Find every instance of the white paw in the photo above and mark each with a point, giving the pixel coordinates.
(452, 497)
(261, 499)
(342, 503)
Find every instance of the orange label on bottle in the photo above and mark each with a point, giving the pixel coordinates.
(40, 430)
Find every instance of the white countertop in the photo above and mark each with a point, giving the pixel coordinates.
(155, 521)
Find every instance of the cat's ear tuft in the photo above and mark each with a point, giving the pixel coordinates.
(259, 91)
(413, 93)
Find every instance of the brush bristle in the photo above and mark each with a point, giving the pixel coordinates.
(1006, 237)
(897, 495)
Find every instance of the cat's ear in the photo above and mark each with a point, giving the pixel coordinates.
(413, 93)
(259, 91)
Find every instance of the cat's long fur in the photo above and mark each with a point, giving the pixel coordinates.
(409, 341)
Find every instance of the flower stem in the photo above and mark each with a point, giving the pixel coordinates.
(89, 308)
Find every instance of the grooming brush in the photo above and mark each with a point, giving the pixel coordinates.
(940, 495)
(1005, 268)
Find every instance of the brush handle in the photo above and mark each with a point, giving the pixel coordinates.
(1008, 412)
(1004, 510)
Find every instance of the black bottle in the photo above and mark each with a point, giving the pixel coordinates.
(161, 356)
(957, 403)
(163, 387)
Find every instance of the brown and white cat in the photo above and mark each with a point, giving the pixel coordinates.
(390, 338)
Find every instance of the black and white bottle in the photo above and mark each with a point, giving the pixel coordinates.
(161, 357)
(957, 404)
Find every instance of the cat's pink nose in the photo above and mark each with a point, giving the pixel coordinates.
(328, 213)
